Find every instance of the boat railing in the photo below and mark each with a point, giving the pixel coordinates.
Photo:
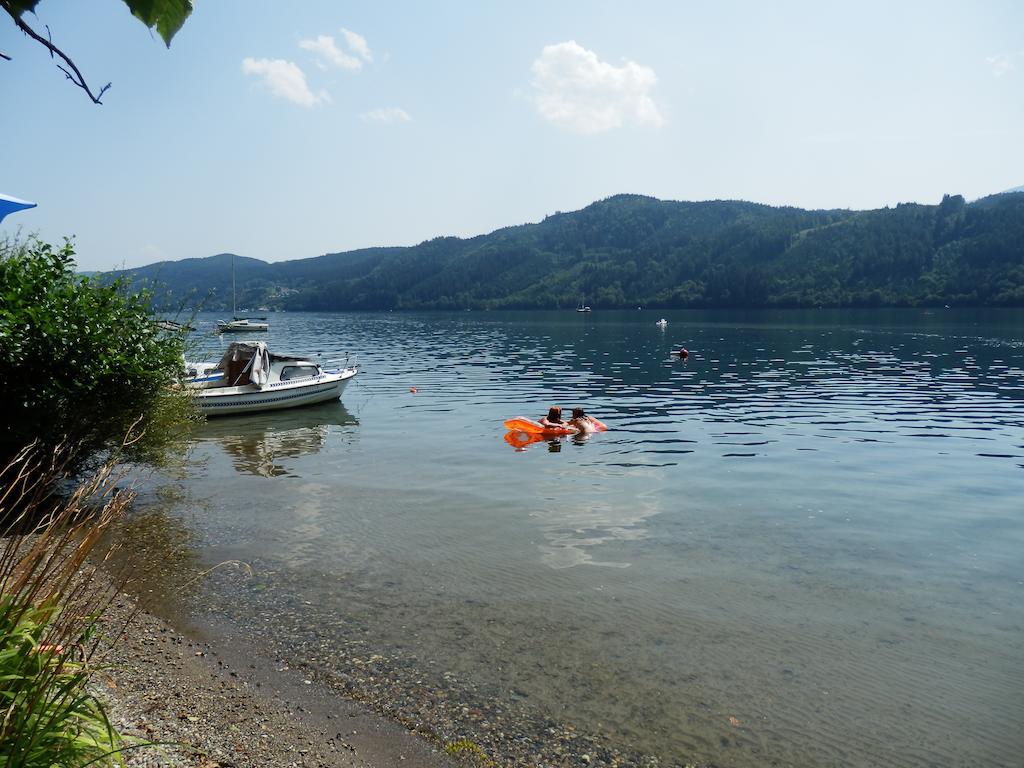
(348, 361)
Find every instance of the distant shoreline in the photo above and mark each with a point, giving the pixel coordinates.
(629, 250)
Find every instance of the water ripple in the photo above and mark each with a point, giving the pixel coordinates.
(812, 524)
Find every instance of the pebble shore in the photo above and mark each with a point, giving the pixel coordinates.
(205, 710)
(212, 701)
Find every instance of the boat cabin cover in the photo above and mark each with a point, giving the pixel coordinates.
(248, 362)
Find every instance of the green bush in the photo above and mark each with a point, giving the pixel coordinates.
(82, 363)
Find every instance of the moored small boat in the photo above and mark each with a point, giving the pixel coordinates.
(239, 324)
(249, 379)
(243, 325)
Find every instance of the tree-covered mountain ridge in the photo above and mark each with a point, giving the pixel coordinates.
(630, 250)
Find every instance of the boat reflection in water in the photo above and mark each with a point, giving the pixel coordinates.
(258, 443)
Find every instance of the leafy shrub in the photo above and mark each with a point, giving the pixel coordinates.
(82, 363)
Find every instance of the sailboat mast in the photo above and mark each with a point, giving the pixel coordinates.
(234, 309)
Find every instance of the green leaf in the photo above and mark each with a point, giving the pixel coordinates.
(19, 7)
(166, 16)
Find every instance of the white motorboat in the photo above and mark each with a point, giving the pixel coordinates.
(662, 323)
(249, 379)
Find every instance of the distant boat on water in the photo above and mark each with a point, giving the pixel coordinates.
(582, 307)
(239, 324)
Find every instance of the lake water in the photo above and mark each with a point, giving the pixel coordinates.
(804, 545)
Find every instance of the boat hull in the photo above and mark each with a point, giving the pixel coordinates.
(227, 401)
(247, 328)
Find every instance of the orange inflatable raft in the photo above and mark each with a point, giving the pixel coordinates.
(531, 427)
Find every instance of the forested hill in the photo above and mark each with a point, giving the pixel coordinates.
(630, 251)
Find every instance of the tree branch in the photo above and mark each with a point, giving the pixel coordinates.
(71, 72)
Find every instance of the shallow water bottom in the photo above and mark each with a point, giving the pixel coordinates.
(799, 547)
(708, 653)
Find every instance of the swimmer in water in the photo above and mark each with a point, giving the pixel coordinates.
(554, 418)
(582, 422)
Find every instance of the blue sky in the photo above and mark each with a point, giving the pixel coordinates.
(287, 130)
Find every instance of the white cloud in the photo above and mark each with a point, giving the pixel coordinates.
(357, 44)
(576, 90)
(386, 115)
(329, 54)
(284, 79)
(287, 80)
(1002, 63)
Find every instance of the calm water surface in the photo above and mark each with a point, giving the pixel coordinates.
(804, 545)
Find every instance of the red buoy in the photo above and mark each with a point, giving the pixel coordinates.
(683, 353)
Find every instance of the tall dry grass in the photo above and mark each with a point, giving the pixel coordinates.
(51, 598)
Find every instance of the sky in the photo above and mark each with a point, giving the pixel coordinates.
(287, 130)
